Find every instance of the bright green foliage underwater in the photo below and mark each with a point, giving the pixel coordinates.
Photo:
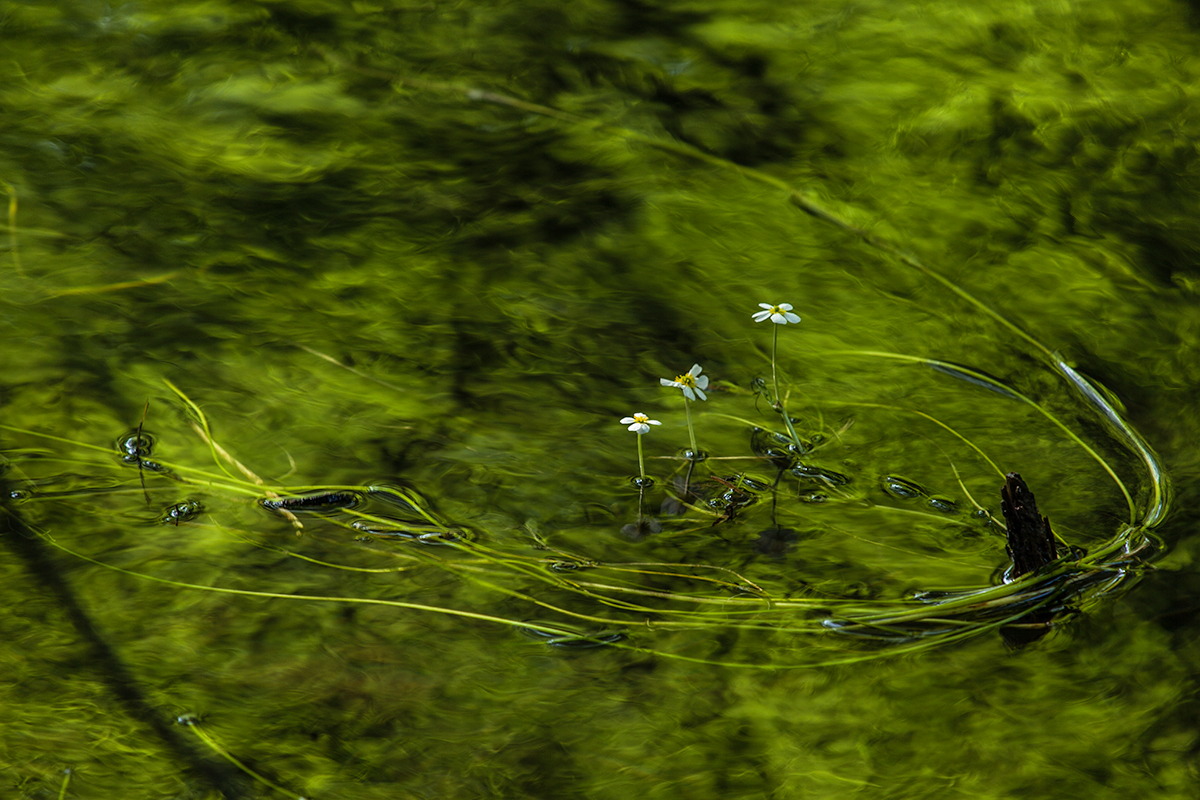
(390, 274)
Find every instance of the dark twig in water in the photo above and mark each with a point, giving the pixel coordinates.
(1030, 540)
(137, 448)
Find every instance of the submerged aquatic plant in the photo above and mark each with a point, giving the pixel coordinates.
(693, 384)
(623, 597)
(617, 598)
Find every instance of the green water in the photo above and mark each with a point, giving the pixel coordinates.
(446, 247)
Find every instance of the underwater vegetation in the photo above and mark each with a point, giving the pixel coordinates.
(316, 414)
(628, 605)
(572, 600)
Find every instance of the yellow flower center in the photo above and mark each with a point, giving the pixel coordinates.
(776, 310)
(642, 418)
(686, 379)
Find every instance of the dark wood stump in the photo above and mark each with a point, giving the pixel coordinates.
(1030, 541)
(1031, 546)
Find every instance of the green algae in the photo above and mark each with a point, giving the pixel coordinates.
(362, 281)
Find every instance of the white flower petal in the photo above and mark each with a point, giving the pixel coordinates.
(702, 382)
(695, 370)
(785, 306)
(688, 393)
(792, 318)
(666, 382)
(639, 428)
(702, 395)
(765, 305)
(779, 319)
(653, 422)
(627, 420)
(759, 316)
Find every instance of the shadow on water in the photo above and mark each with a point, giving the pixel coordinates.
(105, 662)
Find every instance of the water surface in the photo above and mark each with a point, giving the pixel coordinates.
(441, 249)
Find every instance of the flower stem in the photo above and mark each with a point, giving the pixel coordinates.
(641, 459)
(787, 420)
(691, 434)
(774, 375)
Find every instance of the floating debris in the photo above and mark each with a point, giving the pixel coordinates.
(322, 501)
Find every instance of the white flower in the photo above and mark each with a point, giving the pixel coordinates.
(780, 314)
(692, 383)
(639, 423)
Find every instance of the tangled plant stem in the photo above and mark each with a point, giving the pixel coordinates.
(679, 596)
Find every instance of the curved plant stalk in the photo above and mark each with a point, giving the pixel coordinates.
(983, 379)
(1160, 487)
(66, 781)
(705, 601)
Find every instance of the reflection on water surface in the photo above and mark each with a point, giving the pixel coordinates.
(390, 275)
